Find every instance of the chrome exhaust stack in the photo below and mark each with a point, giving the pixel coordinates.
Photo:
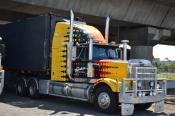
(107, 29)
(70, 47)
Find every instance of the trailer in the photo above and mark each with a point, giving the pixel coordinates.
(67, 58)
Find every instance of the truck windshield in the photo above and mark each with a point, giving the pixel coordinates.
(104, 52)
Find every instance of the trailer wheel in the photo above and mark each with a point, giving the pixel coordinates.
(106, 100)
(143, 106)
(32, 87)
(21, 87)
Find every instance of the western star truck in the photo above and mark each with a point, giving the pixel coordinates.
(68, 58)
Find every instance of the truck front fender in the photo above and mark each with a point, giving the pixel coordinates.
(113, 84)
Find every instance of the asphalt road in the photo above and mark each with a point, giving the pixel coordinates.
(12, 105)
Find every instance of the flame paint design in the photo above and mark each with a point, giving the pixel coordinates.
(115, 69)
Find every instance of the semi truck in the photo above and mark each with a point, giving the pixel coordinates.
(68, 58)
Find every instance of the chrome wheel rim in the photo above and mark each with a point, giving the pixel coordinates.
(19, 88)
(103, 100)
(31, 90)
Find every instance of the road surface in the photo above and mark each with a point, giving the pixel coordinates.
(12, 105)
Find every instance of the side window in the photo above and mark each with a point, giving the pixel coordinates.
(82, 53)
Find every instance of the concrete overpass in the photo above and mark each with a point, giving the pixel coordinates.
(144, 22)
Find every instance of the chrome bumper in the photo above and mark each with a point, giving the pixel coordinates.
(129, 97)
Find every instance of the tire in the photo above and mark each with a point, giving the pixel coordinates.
(32, 88)
(105, 100)
(21, 87)
(143, 106)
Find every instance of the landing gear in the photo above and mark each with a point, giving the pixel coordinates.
(106, 100)
(32, 88)
(21, 87)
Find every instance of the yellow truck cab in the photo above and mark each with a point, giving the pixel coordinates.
(79, 63)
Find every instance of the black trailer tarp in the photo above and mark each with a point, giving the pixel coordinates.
(28, 43)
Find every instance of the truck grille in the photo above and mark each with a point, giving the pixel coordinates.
(142, 72)
(145, 75)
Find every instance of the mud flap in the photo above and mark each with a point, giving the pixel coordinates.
(127, 109)
(159, 106)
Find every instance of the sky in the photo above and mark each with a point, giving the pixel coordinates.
(163, 51)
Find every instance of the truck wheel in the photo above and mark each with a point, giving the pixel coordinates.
(21, 87)
(32, 86)
(106, 100)
(143, 106)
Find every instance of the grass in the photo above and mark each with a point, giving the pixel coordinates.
(168, 76)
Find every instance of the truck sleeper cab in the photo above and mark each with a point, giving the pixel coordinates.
(76, 62)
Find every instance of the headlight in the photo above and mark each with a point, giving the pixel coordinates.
(139, 94)
(158, 85)
(143, 94)
(154, 93)
(151, 83)
(139, 84)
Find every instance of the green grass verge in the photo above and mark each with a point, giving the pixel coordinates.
(168, 76)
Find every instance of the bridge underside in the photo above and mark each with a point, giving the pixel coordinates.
(143, 22)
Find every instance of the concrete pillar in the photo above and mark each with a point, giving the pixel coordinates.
(141, 52)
